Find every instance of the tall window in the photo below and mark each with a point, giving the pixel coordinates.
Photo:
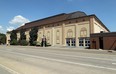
(83, 32)
(69, 33)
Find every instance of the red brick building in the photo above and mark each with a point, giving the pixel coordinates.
(103, 41)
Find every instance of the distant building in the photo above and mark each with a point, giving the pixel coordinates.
(72, 29)
(103, 41)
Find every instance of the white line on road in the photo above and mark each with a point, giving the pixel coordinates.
(80, 56)
(9, 70)
(62, 61)
(114, 63)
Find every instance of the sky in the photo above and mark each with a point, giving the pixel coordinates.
(14, 13)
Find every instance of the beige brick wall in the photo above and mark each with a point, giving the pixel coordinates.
(7, 38)
(98, 27)
(40, 35)
(18, 36)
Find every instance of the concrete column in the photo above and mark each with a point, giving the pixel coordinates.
(84, 42)
(43, 30)
(77, 35)
(63, 35)
(27, 35)
(52, 37)
(8, 38)
(18, 36)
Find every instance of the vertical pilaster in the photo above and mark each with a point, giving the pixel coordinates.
(77, 35)
(84, 42)
(27, 35)
(43, 30)
(52, 37)
(8, 38)
(63, 35)
(18, 36)
(91, 25)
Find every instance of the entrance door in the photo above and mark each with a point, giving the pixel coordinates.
(94, 44)
(70, 41)
(101, 42)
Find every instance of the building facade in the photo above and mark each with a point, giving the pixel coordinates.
(72, 29)
(103, 41)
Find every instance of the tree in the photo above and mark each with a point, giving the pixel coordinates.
(22, 40)
(33, 36)
(13, 35)
(2, 38)
(13, 38)
(22, 35)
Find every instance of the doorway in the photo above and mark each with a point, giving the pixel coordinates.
(101, 42)
(70, 41)
(94, 44)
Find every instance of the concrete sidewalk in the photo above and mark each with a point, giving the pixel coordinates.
(66, 48)
(71, 49)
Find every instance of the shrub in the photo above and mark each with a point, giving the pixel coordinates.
(23, 43)
(38, 44)
(34, 43)
(33, 36)
(48, 44)
(14, 42)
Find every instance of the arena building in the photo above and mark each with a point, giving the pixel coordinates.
(66, 29)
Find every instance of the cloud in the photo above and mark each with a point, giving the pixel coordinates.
(10, 28)
(19, 20)
(1, 29)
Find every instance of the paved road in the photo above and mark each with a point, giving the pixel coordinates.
(54, 60)
(4, 71)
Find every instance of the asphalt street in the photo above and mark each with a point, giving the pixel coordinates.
(57, 60)
(3, 71)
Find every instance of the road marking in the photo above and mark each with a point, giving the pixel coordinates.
(62, 61)
(9, 70)
(114, 63)
(79, 56)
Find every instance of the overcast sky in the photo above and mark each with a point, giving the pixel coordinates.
(14, 13)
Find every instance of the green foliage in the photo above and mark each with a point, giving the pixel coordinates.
(38, 44)
(22, 35)
(2, 38)
(13, 36)
(33, 35)
(48, 44)
(34, 43)
(23, 42)
(14, 42)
